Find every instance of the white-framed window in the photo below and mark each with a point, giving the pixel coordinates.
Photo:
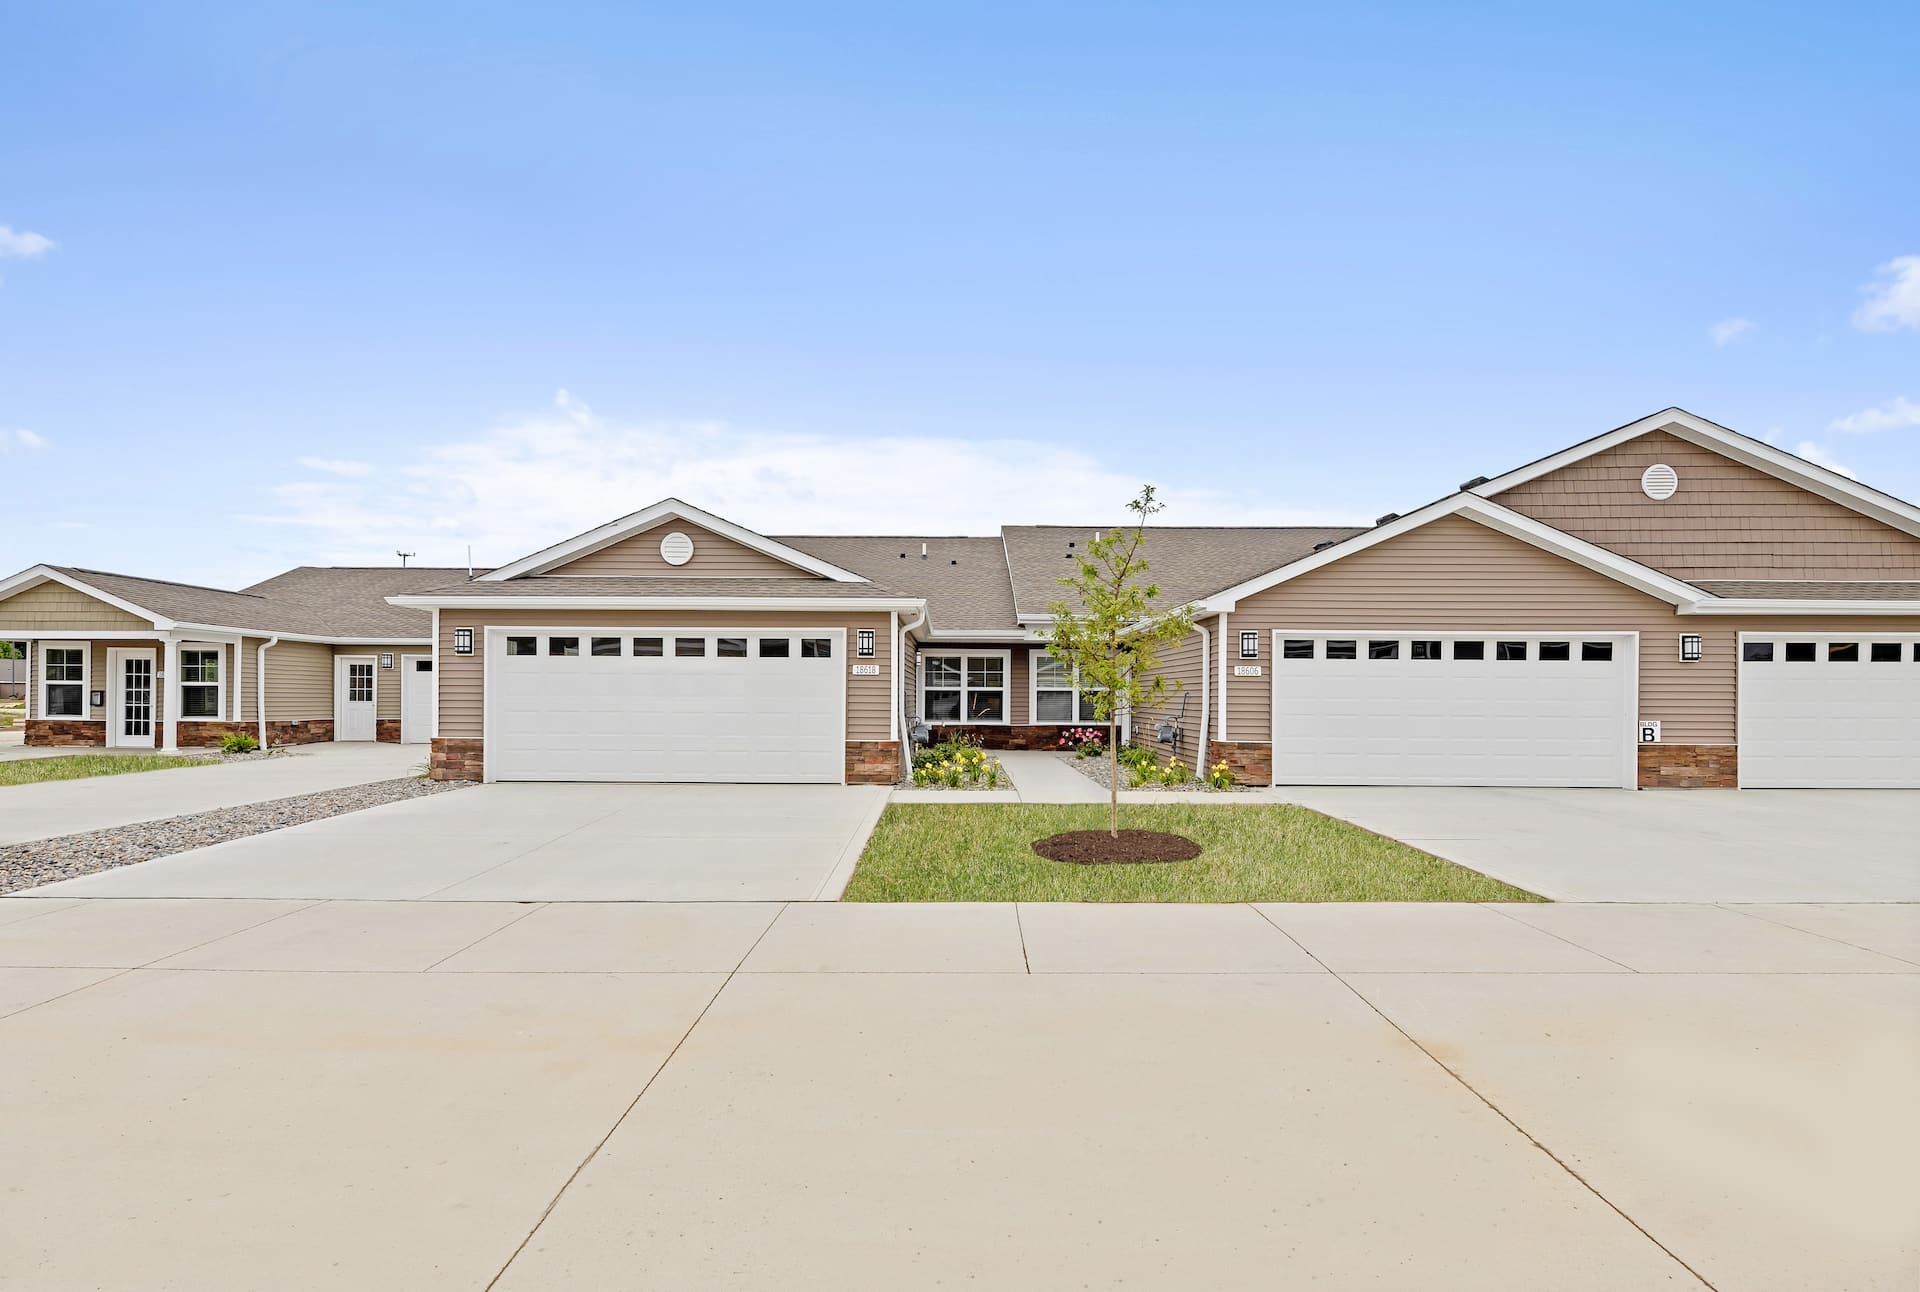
(965, 686)
(1058, 692)
(200, 682)
(63, 679)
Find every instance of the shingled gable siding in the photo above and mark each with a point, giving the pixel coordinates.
(869, 699)
(54, 607)
(1454, 575)
(714, 557)
(1727, 521)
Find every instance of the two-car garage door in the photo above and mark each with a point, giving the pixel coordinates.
(724, 705)
(1387, 708)
(1827, 710)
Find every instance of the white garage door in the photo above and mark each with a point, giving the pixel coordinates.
(1383, 708)
(1829, 711)
(730, 705)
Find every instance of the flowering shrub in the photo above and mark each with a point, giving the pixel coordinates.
(1084, 741)
(1174, 773)
(1220, 776)
(957, 764)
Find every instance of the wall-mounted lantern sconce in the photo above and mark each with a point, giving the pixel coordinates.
(463, 641)
(1690, 647)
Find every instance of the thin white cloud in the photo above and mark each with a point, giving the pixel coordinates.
(338, 467)
(1896, 414)
(22, 245)
(1893, 298)
(19, 439)
(1727, 331)
(1818, 456)
(520, 487)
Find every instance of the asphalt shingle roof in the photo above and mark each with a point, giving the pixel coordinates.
(316, 601)
(964, 580)
(1187, 563)
(1811, 590)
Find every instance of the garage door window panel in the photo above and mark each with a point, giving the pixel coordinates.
(1510, 650)
(1343, 649)
(816, 648)
(775, 648)
(649, 647)
(731, 648)
(1800, 652)
(563, 645)
(1383, 650)
(1885, 652)
(689, 647)
(523, 645)
(1469, 650)
(1297, 648)
(1596, 652)
(604, 646)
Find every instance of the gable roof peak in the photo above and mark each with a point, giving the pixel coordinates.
(669, 508)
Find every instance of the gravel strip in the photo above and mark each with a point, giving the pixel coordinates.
(1095, 770)
(42, 861)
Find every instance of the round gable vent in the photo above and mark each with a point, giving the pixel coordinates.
(1659, 482)
(677, 549)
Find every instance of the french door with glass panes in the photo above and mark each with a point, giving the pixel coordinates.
(131, 695)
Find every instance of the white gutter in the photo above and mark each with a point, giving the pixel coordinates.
(900, 632)
(260, 689)
(1764, 606)
(799, 604)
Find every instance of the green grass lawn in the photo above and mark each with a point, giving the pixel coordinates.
(73, 767)
(938, 852)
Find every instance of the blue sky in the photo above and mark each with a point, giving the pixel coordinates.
(290, 284)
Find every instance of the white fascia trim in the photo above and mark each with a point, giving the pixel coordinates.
(44, 574)
(1491, 514)
(985, 635)
(1744, 449)
(667, 508)
(836, 604)
(1773, 606)
(185, 631)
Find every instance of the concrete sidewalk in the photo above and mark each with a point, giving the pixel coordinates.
(43, 811)
(467, 1094)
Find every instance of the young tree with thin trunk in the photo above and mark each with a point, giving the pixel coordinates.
(1111, 635)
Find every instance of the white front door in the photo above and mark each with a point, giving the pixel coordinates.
(353, 697)
(130, 697)
(416, 699)
(667, 704)
(1829, 710)
(1413, 708)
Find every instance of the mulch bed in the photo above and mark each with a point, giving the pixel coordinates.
(1133, 847)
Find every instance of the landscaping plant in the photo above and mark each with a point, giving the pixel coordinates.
(1111, 634)
(238, 742)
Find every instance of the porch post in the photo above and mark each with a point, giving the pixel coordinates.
(170, 728)
(33, 645)
(234, 716)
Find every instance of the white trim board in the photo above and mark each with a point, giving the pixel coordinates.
(646, 518)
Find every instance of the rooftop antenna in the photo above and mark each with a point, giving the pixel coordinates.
(403, 557)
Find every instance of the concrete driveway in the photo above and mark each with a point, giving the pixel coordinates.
(427, 1095)
(43, 811)
(1655, 845)
(534, 843)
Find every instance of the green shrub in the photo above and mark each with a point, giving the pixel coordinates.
(238, 742)
(1174, 773)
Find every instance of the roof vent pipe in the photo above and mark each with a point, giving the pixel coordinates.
(923, 551)
(1321, 547)
(1474, 483)
(1388, 518)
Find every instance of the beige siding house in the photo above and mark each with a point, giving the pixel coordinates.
(1667, 604)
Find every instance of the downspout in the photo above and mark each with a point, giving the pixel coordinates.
(900, 632)
(1206, 695)
(260, 690)
(1223, 677)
